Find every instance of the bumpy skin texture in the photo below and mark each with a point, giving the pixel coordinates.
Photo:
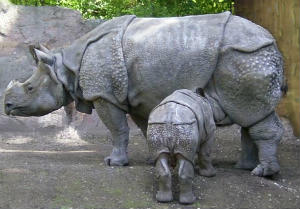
(249, 85)
(180, 123)
(179, 127)
(129, 65)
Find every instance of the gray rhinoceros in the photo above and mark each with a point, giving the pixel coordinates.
(129, 65)
(180, 127)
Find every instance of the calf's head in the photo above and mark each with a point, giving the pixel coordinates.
(40, 94)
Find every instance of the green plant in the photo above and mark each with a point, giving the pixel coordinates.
(143, 8)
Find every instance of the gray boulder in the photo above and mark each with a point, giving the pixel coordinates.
(55, 27)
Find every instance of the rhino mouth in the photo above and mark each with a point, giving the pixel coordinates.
(16, 111)
(24, 111)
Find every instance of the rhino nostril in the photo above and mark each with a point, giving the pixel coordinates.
(9, 105)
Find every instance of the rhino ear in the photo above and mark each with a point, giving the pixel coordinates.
(44, 57)
(43, 48)
(40, 53)
(50, 70)
(32, 52)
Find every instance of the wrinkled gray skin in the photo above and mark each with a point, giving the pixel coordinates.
(235, 61)
(180, 127)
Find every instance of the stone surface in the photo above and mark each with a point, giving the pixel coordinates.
(21, 26)
(65, 169)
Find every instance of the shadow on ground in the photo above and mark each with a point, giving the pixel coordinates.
(64, 169)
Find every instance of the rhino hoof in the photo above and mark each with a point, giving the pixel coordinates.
(266, 170)
(164, 196)
(187, 198)
(246, 165)
(114, 161)
(210, 172)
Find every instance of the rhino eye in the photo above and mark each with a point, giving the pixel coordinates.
(29, 88)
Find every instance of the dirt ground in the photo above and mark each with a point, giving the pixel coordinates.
(64, 169)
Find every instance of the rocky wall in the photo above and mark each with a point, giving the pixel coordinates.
(54, 27)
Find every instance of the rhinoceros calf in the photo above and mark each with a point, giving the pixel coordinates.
(181, 126)
(129, 64)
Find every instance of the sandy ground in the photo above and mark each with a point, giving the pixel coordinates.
(64, 169)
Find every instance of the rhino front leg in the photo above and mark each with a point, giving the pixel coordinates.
(115, 120)
(266, 135)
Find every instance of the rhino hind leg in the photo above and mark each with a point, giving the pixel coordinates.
(249, 155)
(164, 193)
(116, 122)
(249, 85)
(266, 134)
(185, 177)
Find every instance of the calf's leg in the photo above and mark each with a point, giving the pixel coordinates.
(185, 175)
(164, 193)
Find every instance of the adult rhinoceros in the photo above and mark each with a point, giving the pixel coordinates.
(129, 65)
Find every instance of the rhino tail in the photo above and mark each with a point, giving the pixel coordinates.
(284, 86)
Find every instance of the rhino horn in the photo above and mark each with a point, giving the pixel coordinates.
(11, 84)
